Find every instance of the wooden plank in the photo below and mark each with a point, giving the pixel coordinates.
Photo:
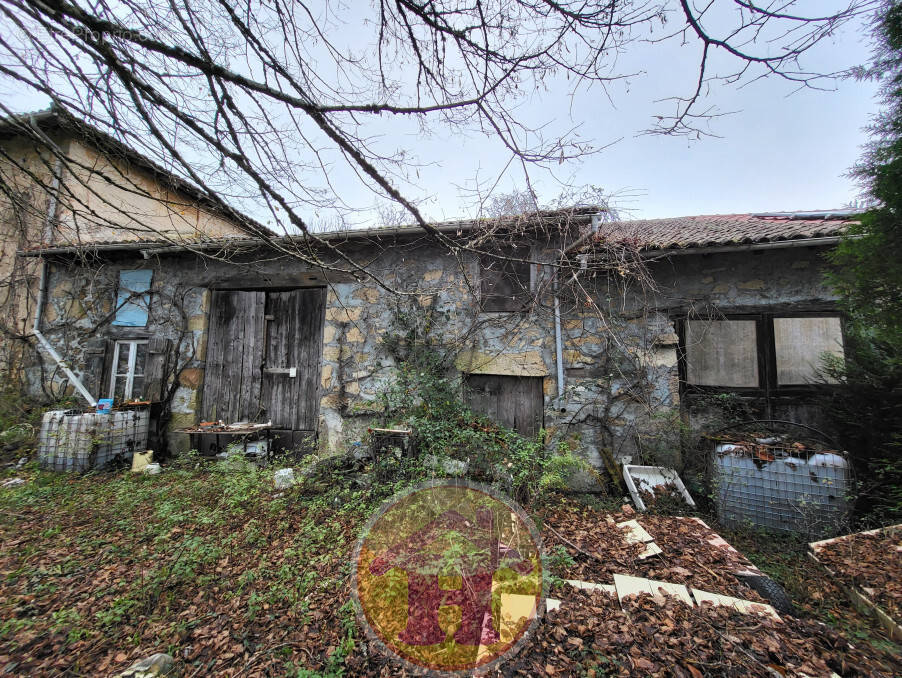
(302, 332)
(634, 532)
(156, 367)
(219, 310)
(98, 367)
(514, 402)
(314, 318)
(232, 377)
(273, 357)
(860, 600)
(233, 361)
(255, 349)
(651, 549)
(627, 585)
(294, 339)
(589, 586)
(744, 606)
(267, 282)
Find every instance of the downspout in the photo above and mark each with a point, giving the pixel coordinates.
(558, 345)
(558, 336)
(42, 288)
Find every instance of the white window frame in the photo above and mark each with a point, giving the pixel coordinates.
(130, 374)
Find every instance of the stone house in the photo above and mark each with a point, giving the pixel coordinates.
(612, 335)
(65, 182)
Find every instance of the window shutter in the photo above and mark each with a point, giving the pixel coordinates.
(155, 370)
(131, 311)
(98, 364)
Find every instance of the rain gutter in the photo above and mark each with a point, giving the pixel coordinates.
(748, 247)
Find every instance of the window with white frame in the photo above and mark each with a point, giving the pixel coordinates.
(129, 361)
(766, 351)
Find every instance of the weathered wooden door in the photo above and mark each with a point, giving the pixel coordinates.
(291, 370)
(234, 356)
(264, 357)
(515, 402)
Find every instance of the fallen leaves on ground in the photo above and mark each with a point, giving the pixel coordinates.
(233, 579)
(668, 638)
(687, 558)
(871, 561)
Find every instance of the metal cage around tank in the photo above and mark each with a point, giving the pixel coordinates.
(780, 476)
(83, 441)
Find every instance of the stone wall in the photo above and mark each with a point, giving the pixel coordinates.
(620, 341)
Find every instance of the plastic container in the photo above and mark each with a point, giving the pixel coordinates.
(789, 493)
(82, 441)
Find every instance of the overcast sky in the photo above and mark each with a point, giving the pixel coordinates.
(781, 151)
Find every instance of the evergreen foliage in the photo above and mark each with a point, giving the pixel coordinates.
(867, 273)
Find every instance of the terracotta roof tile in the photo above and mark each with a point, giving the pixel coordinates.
(672, 233)
(726, 229)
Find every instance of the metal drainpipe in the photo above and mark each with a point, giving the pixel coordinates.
(42, 290)
(558, 338)
(558, 346)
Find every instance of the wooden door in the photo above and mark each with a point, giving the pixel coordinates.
(293, 359)
(232, 378)
(514, 402)
(264, 357)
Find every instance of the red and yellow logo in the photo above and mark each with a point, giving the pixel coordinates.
(448, 576)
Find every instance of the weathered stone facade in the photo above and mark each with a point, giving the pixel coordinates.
(620, 339)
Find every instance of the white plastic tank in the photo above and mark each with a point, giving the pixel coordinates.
(788, 493)
(82, 441)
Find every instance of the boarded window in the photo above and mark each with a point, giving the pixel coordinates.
(504, 284)
(133, 298)
(129, 360)
(800, 344)
(514, 402)
(722, 353)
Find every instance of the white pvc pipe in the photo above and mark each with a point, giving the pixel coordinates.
(76, 382)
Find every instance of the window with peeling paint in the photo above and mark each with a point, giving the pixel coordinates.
(133, 298)
(722, 353)
(800, 344)
(129, 363)
(765, 352)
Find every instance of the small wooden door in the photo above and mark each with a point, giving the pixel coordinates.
(264, 357)
(514, 402)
